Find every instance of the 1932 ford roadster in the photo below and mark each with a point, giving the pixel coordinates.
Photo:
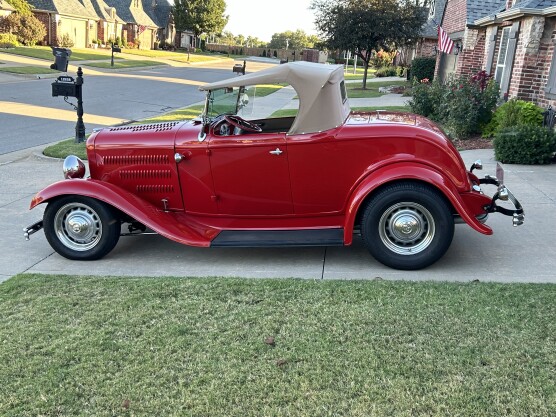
(235, 177)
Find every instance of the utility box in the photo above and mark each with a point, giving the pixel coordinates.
(61, 58)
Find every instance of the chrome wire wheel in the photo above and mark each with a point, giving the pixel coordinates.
(406, 228)
(78, 227)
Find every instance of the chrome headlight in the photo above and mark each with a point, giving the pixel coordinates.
(73, 167)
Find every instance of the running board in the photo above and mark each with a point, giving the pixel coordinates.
(269, 238)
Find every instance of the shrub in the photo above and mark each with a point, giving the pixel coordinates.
(10, 23)
(525, 144)
(463, 105)
(427, 99)
(386, 72)
(31, 30)
(514, 113)
(8, 40)
(422, 68)
(382, 59)
(65, 41)
(469, 104)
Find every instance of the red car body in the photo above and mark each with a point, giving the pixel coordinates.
(192, 184)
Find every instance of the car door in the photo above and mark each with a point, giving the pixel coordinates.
(251, 174)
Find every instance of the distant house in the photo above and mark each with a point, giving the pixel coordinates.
(160, 11)
(426, 45)
(5, 8)
(110, 25)
(138, 25)
(75, 19)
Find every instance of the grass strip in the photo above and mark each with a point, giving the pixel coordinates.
(355, 90)
(124, 63)
(45, 52)
(28, 70)
(65, 148)
(76, 346)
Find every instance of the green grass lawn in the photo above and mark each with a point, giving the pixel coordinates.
(89, 346)
(28, 70)
(67, 147)
(180, 56)
(45, 52)
(354, 90)
(124, 63)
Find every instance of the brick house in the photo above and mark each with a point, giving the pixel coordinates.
(519, 50)
(75, 19)
(138, 25)
(513, 40)
(160, 12)
(458, 20)
(110, 24)
(426, 45)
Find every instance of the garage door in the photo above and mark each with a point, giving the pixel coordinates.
(76, 30)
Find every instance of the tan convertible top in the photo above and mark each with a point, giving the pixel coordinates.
(321, 106)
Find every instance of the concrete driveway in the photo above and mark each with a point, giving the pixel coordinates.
(523, 254)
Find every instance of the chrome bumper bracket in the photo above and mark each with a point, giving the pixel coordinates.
(34, 228)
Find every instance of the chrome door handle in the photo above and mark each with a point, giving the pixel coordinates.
(276, 152)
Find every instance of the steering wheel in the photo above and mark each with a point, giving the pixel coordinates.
(242, 124)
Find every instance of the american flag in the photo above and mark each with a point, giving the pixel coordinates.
(140, 29)
(445, 44)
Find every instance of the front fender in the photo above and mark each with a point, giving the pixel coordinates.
(408, 171)
(176, 226)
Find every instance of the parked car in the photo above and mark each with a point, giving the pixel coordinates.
(235, 178)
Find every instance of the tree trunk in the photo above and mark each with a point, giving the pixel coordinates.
(366, 65)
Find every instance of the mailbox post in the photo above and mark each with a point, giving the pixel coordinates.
(114, 49)
(66, 86)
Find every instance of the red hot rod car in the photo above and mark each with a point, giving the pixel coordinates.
(237, 177)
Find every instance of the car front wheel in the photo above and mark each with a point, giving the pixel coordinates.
(407, 226)
(81, 228)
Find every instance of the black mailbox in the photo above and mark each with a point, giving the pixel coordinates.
(116, 49)
(239, 69)
(64, 86)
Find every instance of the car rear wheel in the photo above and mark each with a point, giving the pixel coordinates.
(407, 226)
(81, 228)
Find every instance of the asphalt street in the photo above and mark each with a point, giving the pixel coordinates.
(30, 116)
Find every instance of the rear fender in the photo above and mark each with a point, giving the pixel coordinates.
(413, 172)
(176, 226)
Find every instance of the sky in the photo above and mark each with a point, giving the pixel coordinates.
(263, 18)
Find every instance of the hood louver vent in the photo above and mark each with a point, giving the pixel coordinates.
(135, 159)
(158, 127)
(136, 174)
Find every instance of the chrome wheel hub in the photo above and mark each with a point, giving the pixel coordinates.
(406, 228)
(78, 226)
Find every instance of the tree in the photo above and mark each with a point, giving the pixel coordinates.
(292, 40)
(200, 16)
(365, 26)
(28, 29)
(21, 7)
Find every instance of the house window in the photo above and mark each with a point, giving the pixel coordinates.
(550, 88)
(502, 55)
